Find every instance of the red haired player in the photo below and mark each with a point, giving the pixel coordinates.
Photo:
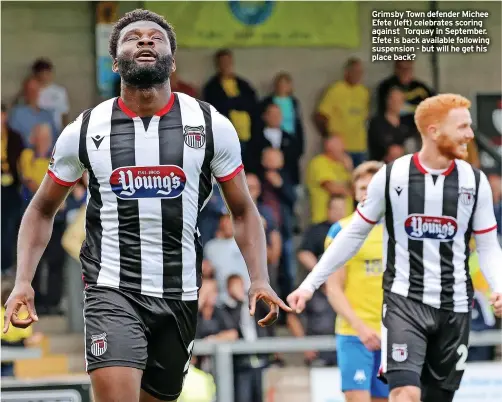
(432, 202)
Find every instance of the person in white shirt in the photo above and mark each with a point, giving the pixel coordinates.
(432, 202)
(53, 97)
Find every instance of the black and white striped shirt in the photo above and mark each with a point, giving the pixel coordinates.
(429, 219)
(149, 178)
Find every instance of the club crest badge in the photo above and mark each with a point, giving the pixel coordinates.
(195, 137)
(98, 344)
(466, 195)
(399, 352)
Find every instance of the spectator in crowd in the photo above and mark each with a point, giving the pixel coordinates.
(24, 117)
(317, 319)
(328, 174)
(273, 235)
(278, 193)
(291, 122)
(312, 246)
(33, 165)
(344, 109)
(15, 337)
(178, 85)
(210, 215)
(271, 135)
(74, 235)
(231, 95)
(207, 270)
(224, 255)
(76, 199)
(248, 369)
(415, 91)
(386, 134)
(495, 181)
(213, 322)
(35, 160)
(52, 97)
(12, 147)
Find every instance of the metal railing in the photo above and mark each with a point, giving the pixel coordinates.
(223, 352)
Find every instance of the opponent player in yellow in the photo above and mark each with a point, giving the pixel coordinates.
(355, 293)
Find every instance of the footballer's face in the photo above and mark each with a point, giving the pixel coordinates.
(144, 57)
(454, 133)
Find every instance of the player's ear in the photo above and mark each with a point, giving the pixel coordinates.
(433, 131)
(115, 66)
(173, 67)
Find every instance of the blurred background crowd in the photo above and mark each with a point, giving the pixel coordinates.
(298, 198)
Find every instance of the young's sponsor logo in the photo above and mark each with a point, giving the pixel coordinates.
(441, 228)
(134, 182)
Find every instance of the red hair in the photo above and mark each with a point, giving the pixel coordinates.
(434, 109)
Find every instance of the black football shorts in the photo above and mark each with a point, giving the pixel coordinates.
(424, 340)
(148, 333)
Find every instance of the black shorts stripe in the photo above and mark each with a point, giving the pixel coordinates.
(416, 205)
(122, 153)
(450, 192)
(90, 254)
(171, 145)
(468, 235)
(390, 270)
(205, 181)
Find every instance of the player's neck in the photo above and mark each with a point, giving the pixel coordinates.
(431, 158)
(146, 102)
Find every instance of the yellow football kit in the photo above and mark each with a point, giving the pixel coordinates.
(363, 285)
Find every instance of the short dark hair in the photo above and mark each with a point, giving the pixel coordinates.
(222, 52)
(41, 65)
(351, 61)
(135, 16)
(283, 75)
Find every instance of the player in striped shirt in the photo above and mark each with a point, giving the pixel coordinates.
(151, 155)
(432, 202)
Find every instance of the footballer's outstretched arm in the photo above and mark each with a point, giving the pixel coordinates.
(347, 242)
(35, 232)
(342, 249)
